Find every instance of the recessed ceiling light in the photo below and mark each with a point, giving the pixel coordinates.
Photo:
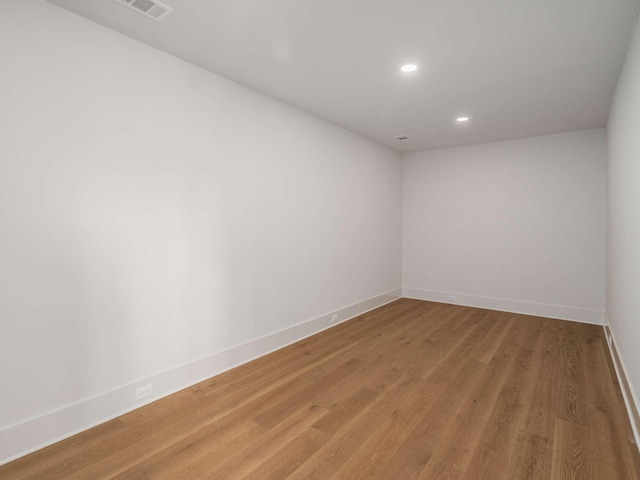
(462, 119)
(410, 67)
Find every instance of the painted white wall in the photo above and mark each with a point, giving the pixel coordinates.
(152, 213)
(516, 225)
(623, 217)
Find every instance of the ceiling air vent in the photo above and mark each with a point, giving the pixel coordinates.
(149, 8)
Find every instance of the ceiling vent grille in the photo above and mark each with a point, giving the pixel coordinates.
(149, 8)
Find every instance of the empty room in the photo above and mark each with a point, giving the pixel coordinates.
(319, 240)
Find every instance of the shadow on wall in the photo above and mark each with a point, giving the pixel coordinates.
(109, 275)
(57, 314)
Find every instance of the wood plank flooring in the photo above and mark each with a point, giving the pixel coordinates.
(412, 390)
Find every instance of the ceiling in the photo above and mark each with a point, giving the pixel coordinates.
(517, 68)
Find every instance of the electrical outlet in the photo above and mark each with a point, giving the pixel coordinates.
(334, 318)
(609, 339)
(452, 298)
(143, 392)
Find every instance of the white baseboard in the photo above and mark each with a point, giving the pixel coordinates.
(561, 312)
(628, 392)
(36, 433)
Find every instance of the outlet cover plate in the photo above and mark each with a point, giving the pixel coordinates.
(144, 392)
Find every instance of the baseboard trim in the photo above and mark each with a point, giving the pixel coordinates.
(628, 392)
(31, 435)
(560, 312)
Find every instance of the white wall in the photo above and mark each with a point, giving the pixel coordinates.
(515, 225)
(623, 217)
(152, 213)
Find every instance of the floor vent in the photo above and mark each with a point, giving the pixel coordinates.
(149, 8)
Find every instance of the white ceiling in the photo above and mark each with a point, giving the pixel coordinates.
(518, 68)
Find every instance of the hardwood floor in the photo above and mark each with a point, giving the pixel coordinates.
(412, 390)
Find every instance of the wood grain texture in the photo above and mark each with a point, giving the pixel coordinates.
(411, 390)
